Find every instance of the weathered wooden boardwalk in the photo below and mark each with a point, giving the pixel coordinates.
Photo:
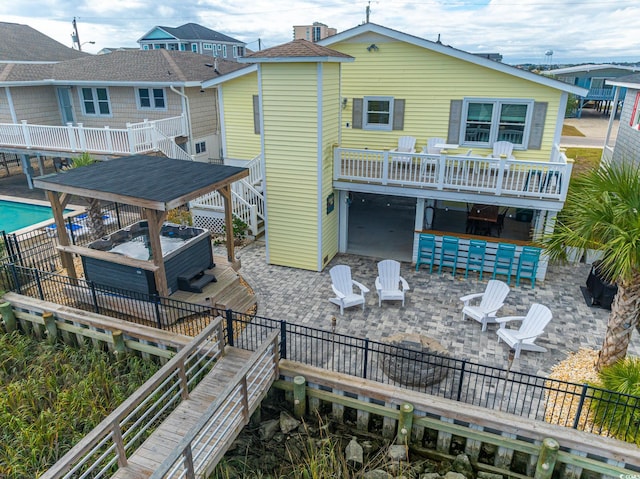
(190, 412)
(167, 437)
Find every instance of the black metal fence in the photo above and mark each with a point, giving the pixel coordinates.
(535, 397)
(37, 248)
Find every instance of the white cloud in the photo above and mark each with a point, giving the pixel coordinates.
(576, 30)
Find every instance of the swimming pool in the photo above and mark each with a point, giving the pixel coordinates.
(16, 215)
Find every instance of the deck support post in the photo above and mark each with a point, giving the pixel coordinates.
(405, 424)
(8, 317)
(547, 458)
(299, 396)
(52, 329)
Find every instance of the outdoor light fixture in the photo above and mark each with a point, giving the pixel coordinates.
(373, 47)
(344, 102)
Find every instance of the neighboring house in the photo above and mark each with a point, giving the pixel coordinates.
(122, 103)
(116, 49)
(627, 144)
(21, 43)
(594, 78)
(195, 38)
(313, 33)
(323, 118)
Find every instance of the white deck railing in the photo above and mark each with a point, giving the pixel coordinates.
(491, 176)
(135, 138)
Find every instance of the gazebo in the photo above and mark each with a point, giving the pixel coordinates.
(156, 184)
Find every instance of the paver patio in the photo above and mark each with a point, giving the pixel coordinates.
(433, 308)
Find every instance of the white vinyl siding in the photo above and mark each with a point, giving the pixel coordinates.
(95, 101)
(485, 121)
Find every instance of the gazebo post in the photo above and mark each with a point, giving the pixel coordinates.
(225, 191)
(154, 220)
(57, 207)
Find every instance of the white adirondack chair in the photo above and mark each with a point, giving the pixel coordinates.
(491, 301)
(532, 326)
(406, 144)
(389, 284)
(342, 286)
(432, 149)
(502, 148)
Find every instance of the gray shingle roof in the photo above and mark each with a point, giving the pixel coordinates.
(21, 43)
(193, 31)
(151, 66)
(297, 48)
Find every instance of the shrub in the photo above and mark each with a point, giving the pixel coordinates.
(618, 409)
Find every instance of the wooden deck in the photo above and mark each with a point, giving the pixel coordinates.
(166, 438)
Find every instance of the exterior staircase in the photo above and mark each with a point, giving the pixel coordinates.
(247, 202)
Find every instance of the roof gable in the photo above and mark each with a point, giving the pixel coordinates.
(188, 32)
(370, 31)
(158, 33)
(21, 43)
(296, 51)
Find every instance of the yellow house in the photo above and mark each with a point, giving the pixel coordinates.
(326, 126)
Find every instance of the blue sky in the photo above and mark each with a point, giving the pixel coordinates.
(521, 30)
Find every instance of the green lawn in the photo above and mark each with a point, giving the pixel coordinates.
(585, 158)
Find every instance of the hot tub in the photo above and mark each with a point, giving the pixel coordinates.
(185, 250)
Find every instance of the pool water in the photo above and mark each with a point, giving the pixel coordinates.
(14, 215)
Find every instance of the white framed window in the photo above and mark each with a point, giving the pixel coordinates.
(487, 120)
(151, 98)
(201, 147)
(95, 101)
(224, 51)
(145, 47)
(219, 47)
(183, 47)
(377, 113)
(194, 47)
(235, 51)
(207, 46)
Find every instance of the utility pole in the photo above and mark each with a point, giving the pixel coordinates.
(367, 11)
(74, 36)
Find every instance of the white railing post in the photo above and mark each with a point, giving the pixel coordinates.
(109, 139)
(565, 178)
(442, 165)
(26, 134)
(183, 124)
(501, 171)
(254, 219)
(72, 137)
(385, 166)
(131, 138)
(82, 137)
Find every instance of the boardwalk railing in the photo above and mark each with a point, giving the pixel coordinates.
(107, 447)
(205, 444)
(492, 176)
(135, 138)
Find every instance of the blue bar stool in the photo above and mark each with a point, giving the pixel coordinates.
(504, 260)
(475, 257)
(426, 251)
(449, 253)
(528, 264)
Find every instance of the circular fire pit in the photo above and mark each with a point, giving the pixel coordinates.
(420, 361)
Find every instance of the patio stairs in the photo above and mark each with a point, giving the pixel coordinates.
(228, 292)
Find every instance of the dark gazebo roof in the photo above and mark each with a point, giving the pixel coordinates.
(148, 181)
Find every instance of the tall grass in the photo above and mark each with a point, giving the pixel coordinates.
(52, 396)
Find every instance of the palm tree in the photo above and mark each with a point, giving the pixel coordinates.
(94, 211)
(602, 212)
